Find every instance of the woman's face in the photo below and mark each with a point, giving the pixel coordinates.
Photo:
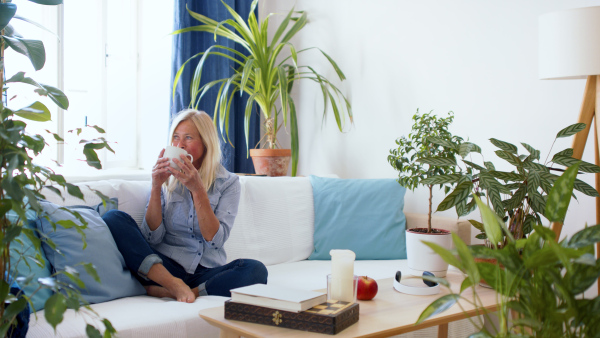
(187, 137)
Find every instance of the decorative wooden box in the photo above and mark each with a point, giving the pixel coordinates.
(329, 318)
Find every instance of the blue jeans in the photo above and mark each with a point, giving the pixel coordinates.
(138, 253)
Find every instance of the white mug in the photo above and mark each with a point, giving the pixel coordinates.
(173, 152)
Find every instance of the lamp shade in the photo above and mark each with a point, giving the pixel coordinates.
(569, 43)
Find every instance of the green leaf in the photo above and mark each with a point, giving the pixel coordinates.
(466, 259)
(476, 166)
(569, 161)
(33, 49)
(489, 166)
(91, 270)
(467, 147)
(510, 158)
(571, 130)
(567, 152)
(511, 148)
(54, 309)
(441, 141)
(442, 179)
(37, 111)
(506, 176)
(438, 306)
(7, 11)
(445, 254)
(535, 154)
(91, 157)
(460, 193)
(15, 307)
(53, 93)
(585, 237)
(92, 332)
(585, 188)
(560, 195)
(537, 202)
(438, 161)
(493, 275)
(476, 224)
(491, 223)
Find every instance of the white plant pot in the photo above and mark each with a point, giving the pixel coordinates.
(421, 257)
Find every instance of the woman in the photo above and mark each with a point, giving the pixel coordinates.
(178, 250)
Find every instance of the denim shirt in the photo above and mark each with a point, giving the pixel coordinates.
(178, 236)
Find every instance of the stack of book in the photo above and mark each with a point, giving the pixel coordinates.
(290, 308)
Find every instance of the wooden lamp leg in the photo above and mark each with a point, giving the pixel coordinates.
(597, 149)
(586, 115)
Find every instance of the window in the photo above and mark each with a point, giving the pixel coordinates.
(112, 58)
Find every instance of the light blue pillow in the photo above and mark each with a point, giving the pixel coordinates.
(101, 251)
(23, 257)
(362, 215)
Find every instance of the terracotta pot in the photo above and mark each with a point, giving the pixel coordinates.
(271, 162)
(421, 258)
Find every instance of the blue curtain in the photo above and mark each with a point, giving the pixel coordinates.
(215, 68)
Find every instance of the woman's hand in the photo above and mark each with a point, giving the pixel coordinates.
(188, 176)
(160, 172)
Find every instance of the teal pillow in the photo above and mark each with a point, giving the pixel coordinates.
(101, 251)
(362, 215)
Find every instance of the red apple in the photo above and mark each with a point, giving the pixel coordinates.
(367, 288)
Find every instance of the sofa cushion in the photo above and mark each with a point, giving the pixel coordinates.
(362, 215)
(132, 195)
(101, 251)
(274, 222)
(26, 261)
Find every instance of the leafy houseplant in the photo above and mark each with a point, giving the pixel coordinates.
(519, 196)
(267, 80)
(22, 180)
(539, 283)
(428, 152)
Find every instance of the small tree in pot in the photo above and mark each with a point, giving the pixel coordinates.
(428, 152)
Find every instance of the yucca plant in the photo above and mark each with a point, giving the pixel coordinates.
(263, 74)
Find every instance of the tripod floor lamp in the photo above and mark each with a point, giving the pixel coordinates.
(569, 48)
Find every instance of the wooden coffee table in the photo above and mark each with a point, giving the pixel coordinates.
(389, 313)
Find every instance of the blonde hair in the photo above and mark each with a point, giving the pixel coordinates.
(211, 164)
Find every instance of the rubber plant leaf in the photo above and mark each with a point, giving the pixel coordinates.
(7, 11)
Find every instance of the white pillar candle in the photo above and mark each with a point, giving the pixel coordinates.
(342, 275)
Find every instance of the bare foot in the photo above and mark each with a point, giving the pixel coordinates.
(175, 289)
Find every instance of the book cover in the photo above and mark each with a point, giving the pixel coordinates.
(330, 317)
(278, 297)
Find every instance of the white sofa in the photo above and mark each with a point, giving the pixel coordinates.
(275, 225)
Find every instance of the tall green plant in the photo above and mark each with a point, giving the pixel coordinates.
(428, 152)
(262, 74)
(22, 180)
(539, 283)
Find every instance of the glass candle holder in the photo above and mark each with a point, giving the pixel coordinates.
(343, 289)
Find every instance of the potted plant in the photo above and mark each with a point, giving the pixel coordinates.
(539, 283)
(518, 196)
(22, 179)
(428, 152)
(265, 76)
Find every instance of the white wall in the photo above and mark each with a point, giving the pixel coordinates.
(476, 58)
(154, 81)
